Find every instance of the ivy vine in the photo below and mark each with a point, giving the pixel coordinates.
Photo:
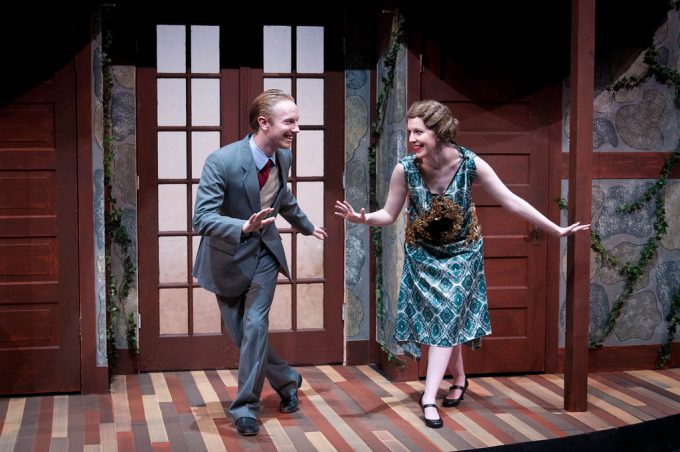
(633, 271)
(116, 235)
(398, 35)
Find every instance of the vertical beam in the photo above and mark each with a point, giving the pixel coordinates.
(580, 190)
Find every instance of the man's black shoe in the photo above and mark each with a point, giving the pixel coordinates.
(247, 426)
(291, 403)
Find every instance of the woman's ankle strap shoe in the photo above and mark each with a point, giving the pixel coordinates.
(432, 423)
(455, 402)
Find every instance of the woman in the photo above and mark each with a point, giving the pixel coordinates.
(442, 299)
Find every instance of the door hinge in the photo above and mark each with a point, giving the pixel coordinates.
(139, 321)
(344, 310)
(137, 181)
(420, 57)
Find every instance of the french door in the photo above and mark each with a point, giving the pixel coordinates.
(193, 99)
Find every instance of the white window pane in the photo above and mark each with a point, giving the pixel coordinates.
(310, 199)
(280, 313)
(172, 207)
(173, 311)
(170, 48)
(309, 306)
(202, 144)
(310, 101)
(205, 102)
(195, 242)
(207, 317)
(172, 102)
(309, 257)
(310, 49)
(172, 155)
(284, 84)
(309, 153)
(277, 49)
(286, 239)
(205, 49)
(172, 259)
(194, 189)
(281, 222)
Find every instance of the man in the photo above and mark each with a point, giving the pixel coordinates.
(242, 188)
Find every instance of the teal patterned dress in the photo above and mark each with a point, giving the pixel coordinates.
(442, 298)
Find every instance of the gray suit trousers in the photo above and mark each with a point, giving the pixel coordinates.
(246, 320)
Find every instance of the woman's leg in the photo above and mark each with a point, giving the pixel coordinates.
(437, 361)
(457, 371)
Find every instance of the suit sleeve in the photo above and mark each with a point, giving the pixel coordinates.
(207, 218)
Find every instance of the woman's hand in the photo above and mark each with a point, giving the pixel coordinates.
(344, 209)
(571, 229)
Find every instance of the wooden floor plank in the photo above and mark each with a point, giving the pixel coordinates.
(154, 419)
(43, 434)
(29, 424)
(160, 387)
(60, 418)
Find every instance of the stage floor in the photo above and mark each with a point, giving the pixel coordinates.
(350, 408)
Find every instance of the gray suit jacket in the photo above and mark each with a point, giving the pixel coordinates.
(228, 194)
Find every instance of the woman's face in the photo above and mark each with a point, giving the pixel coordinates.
(422, 140)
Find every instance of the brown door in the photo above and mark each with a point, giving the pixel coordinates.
(39, 313)
(193, 97)
(503, 121)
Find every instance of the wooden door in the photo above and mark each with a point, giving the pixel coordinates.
(194, 95)
(39, 306)
(503, 121)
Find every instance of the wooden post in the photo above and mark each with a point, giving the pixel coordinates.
(580, 191)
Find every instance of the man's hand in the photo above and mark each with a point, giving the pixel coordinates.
(258, 221)
(319, 233)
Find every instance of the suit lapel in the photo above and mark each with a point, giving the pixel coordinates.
(250, 184)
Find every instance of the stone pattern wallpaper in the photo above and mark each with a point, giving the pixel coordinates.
(642, 119)
(124, 185)
(98, 190)
(124, 180)
(357, 180)
(392, 147)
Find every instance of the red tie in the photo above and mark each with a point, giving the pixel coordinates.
(263, 174)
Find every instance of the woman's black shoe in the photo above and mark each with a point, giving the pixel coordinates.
(455, 402)
(432, 423)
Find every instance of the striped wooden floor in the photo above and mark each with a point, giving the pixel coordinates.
(342, 408)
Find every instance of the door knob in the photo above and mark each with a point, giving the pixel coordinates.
(535, 236)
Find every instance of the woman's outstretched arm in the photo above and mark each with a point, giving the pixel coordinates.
(395, 201)
(493, 185)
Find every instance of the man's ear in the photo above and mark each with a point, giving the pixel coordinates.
(264, 124)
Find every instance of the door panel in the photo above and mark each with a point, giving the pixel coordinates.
(181, 327)
(39, 306)
(501, 121)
